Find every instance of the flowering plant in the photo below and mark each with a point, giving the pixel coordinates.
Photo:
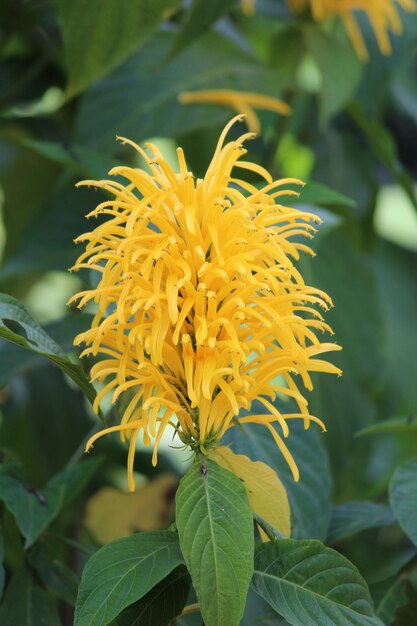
(200, 305)
(264, 171)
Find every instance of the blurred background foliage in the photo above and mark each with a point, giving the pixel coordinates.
(73, 75)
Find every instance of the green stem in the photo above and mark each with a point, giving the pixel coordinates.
(269, 530)
(79, 451)
(281, 128)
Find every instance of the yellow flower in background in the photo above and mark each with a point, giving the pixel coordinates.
(382, 14)
(201, 310)
(248, 7)
(242, 102)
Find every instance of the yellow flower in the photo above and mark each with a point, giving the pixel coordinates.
(201, 310)
(241, 101)
(248, 7)
(382, 15)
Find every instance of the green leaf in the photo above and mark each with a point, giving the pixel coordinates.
(286, 48)
(35, 509)
(123, 572)
(48, 243)
(98, 36)
(82, 160)
(353, 517)
(322, 195)
(42, 446)
(309, 584)
(153, 109)
(395, 273)
(24, 203)
(18, 327)
(197, 21)
(332, 272)
(406, 615)
(215, 527)
(391, 600)
(62, 332)
(403, 497)
(402, 425)
(259, 613)
(347, 404)
(309, 498)
(350, 173)
(26, 604)
(55, 575)
(384, 148)
(2, 570)
(161, 604)
(338, 87)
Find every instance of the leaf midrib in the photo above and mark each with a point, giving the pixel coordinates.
(214, 545)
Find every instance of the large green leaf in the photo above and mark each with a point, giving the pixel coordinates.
(347, 404)
(337, 87)
(43, 430)
(123, 572)
(19, 360)
(35, 509)
(25, 603)
(353, 517)
(309, 498)
(24, 202)
(18, 327)
(350, 172)
(350, 281)
(152, 109)
(403, 497)
(395, 272)
(161, 604)
(309, 584)
(198, 20)
(48, 244)
(216, 534)
(99, 35)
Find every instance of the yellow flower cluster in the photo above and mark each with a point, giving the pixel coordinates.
(383, 16)
(201, 310)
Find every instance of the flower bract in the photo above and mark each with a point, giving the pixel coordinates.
(200, 307)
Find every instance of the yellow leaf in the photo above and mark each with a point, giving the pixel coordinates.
(266, 493)
(112, 513)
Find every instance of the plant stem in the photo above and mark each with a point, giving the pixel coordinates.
(191, 608)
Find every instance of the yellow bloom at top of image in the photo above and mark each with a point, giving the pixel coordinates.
(242, 102)
(201, 309)
(248, 7)
(383, 16)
